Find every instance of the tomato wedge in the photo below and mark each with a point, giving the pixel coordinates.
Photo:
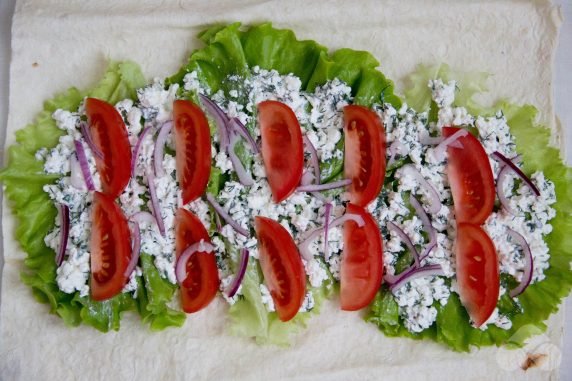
(110, 248)
(109, 135)
(361, 269)
(471, 179)
(193, 147)
(282, 148)
(201, 284)
(281, 266)
(364, 157)
(477, 272)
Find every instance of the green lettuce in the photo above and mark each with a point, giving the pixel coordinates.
(24, 179)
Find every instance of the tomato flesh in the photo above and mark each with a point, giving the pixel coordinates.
(201, 284)
(281, 266)
(361, 268)
(109, 135)
(193, 147)
(282, 148)
(477, 272)
(110, 248)
(471, 179)
(364, 157)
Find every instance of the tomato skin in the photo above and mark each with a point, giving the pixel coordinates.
(282, 267)
(477, 272)
(109, 135)
(202, 282)
(364, 156)
(282, 148)
(193, 147)
(109, 257)
(361, 268)
(471, 179)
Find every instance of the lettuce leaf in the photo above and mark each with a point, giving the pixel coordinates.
(24, 179)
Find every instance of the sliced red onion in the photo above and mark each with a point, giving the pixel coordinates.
(243, 176)
(442, 147)
(158, 152)
(84, 165)
(181, 265)
(313, 158)
(500, 189)
(237, 126)
(144, 217)
(327, 213)
(76, 176)
(323, 187)
(393, 150)
(135, 154)
(426, 224)
(528, 263)
(307, 178)
(135, 249)
(220, 118)
(406, 240)
(225, 216)
(237, 280)
(421, 272)
(304, 246)
(87, 136)
(432, 194)
(155, 202)
(64, 233)
(502, 158)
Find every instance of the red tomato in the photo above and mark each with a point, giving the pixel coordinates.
(282, 267)
(282, 148)
(109, 135)
(110, 248)
(361, 269)
(477, 272)
(193, 147)
(364, 161)
(201, 285)
(471, 179)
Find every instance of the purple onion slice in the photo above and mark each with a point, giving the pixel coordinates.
(181, 265)
(65, 231)
(239, 276)
(528, 263)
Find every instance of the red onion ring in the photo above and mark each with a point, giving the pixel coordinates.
(135, 249)
(528, 263)
(426, 224)
(87, 136)
(327, 213)
(65, 231)
(237, 280)
(225, 216)
(432, 194)
(307, 178)
(155, 202)
(158, 153)
(406, 240)
(500, 190)
(429, 270)
(236, 125)
(313, 158)
(181, 265)
(76, 177)
(135, 154)
(323, 187)
(84, 165)
(442, 147)
(505, 160)
(304, 246)
(143, 216)
(243, 175)
(393, 150)
(220, 118)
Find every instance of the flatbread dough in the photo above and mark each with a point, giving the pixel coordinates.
(71, 42)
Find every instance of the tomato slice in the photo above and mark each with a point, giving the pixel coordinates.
(282, 148)
(281, 266)
(361, 269)
(477, 272)
(471, 179)
(201, 284)
(110, 248)
(364, 158)
(193, 147)
(109, 135)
